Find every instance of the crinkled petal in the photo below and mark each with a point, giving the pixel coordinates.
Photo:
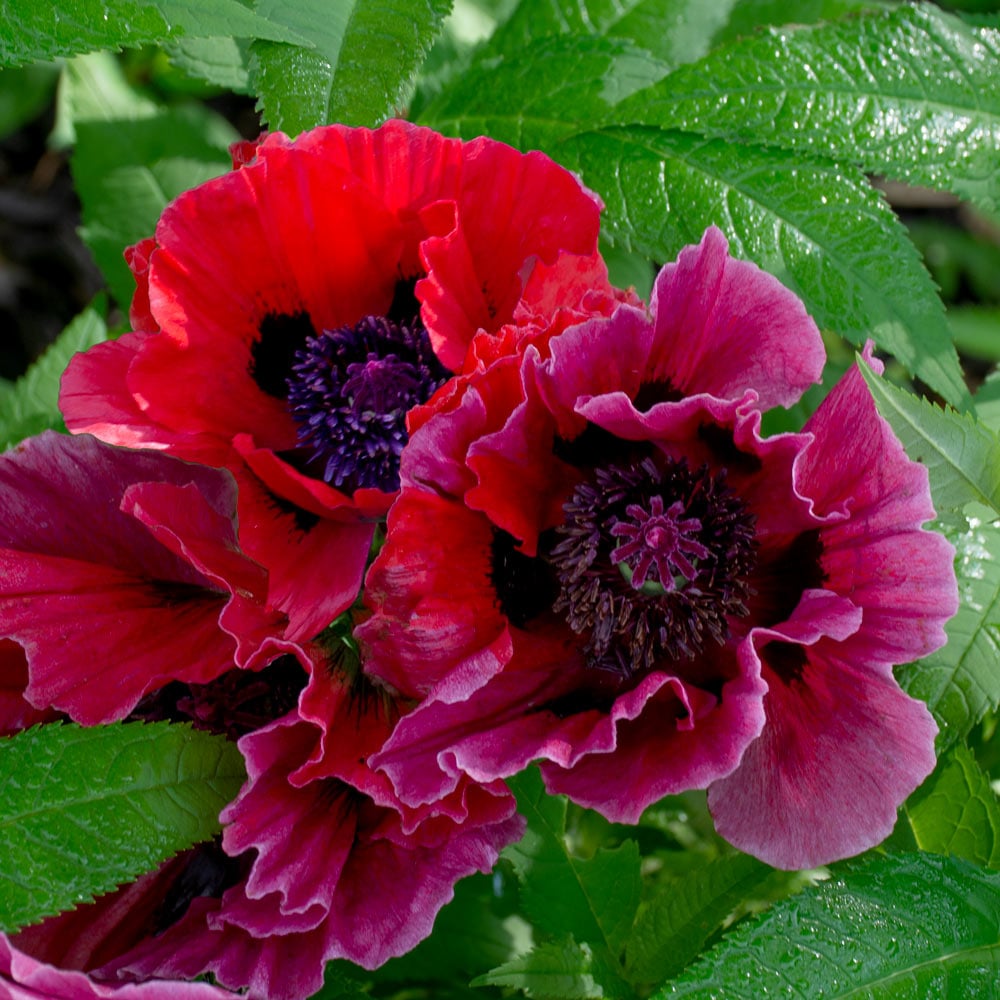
(721, 325)
(24, 978)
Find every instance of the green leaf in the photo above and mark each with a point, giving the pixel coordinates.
(961, 681)
(32, 403)
(819, 227)
(673, 31)
(127, 171)
(910, 93)
(219, 61)
(546, 91)
(888, 927)
(962, 455)
(358, 68)
(558, 970)
(594, 899)
(86, 809)
(977, 330)
(956, 811)
(34, 31)
(988, 402)
(673, 927)
(93, 87)
(750, 15)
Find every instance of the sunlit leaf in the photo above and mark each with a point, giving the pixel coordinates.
(961, 681)
(817, 226)
(362, 57)
(909, 93)
(85, 809)
(887, 927)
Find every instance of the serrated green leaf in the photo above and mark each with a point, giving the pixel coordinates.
(32, 404)
(127, 171)
(594, 899)
(956, 811)
(219, 61)
(548, 90)
(818, 227)
(83, 810)
(962, 456)
(673, 31)
(361, 61)
(889, 927)
(961, 681)
(37, 31)
(557, 970)
(673, 927)
(909, 93)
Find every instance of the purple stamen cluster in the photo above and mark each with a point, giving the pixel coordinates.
(349, 392)
(653, 562)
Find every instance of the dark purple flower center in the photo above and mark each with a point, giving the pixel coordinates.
(350, 390)
(653, 561)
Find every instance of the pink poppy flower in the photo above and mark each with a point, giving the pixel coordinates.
(319, 858)
(24, 978)
(119, 573)
(598, 561)
(288, 315)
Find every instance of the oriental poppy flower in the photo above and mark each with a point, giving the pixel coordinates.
(598, 561)
(289, 314)
(22, 976)
(319, 858)
(119, 573)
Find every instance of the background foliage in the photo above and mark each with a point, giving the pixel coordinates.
(850, 147)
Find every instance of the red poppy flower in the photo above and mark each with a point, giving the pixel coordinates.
(289, 314)
(598, 561)
(119, 573)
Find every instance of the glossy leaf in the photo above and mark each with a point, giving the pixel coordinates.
(962, 455)
(674, 31)
(362, 57)
(818, 227)
(887, 927)
(39, 31)
(956, 811)
(748, 16)
(31, 405)
(909, 93)
(557, 970)
(673, 927)
(594, 899)
(127, 171)
(544, 92)
(219, 61)
(86, 809)
(961, 681)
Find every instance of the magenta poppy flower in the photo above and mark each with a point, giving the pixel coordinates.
(119, 573)
(289, 314)
(25, 978)
(318, 859)
(599, 562)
